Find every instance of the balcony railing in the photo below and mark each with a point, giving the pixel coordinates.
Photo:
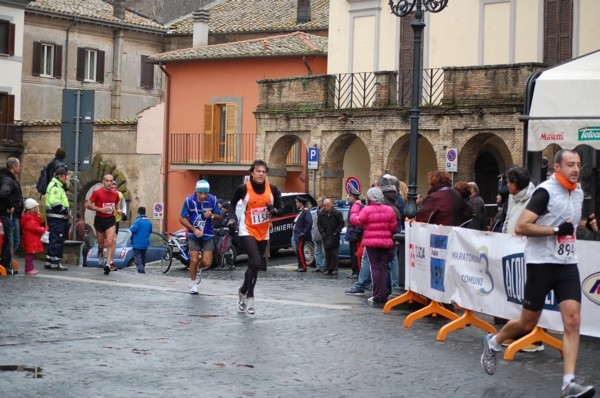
(196, 148)
(11, 134)
(364, 90)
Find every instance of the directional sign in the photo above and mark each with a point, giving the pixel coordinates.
(452, 160)
(159, 211)
(313, 158)
(352, 182)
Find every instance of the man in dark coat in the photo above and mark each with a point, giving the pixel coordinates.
(11, 208)
(302, 231)
(477, 207)
(330, 223)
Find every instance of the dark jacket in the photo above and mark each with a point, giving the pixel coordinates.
(478, 208)
(10, 193)
(54, 165)
(354, 233)
(303, 225)
(330, 226)
(443, 206)
(390, 197)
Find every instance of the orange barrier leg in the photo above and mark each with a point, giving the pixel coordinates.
(2, 271)
(409, 297)
(15, 264)
(465, 319)
(434, 309)
(537, 334)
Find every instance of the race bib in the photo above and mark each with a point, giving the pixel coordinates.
(259, 216)
(199, 224)
(565, 247)
(108, 207)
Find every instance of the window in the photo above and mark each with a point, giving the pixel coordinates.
(7, 114)
(558, 31)
(147, 74)
(7, 37)
(47, 60)
(90, 65)
(220, 132)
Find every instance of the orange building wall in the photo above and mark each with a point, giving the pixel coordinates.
(193, 84)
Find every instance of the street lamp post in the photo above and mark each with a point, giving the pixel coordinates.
(402, 8)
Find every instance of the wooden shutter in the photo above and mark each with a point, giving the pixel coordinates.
(58, 62)
(10, 45)
(565, 31)
(209, 117)
(37, 58)
(558, 31)
(10, 112)
(406, 60)
(80, 74)
(147, 74)
(231, 118)
(100, 67)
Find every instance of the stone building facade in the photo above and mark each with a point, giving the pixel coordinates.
(478, 115)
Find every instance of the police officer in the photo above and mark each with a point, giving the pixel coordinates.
(57, 214)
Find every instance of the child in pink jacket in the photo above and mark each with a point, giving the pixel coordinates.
(32, 231)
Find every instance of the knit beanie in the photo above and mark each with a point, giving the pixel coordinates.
(375, 195)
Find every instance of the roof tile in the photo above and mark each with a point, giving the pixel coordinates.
(292, 44)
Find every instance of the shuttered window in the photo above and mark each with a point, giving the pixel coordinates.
(7, 38)
(47, 60)
(90, 65)
(558, 31)
(147, 74)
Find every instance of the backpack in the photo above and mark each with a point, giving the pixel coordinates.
(43, 180)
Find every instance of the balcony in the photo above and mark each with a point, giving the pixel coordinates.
(213, 149)
(11, 135)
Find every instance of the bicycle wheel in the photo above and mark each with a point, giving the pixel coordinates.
(166, 260)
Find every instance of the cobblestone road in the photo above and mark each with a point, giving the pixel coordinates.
(130, 335)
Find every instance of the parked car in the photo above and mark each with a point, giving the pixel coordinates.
(344, 250)
(124, 251)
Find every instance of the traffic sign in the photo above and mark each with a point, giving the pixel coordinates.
(452, 160)
(313, 158)
(352, 182)
(159, 211)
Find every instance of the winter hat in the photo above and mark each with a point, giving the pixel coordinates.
(226, 205)
(61, 171)
(202, 186)
(375, 195)
(31, 203)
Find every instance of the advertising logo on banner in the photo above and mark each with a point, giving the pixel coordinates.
(591, 287)
(438, 245)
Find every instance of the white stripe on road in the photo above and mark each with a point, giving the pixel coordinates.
(178, 289)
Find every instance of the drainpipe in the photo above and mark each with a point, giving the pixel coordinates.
(67, 49)
(166, 144)
(115, 97)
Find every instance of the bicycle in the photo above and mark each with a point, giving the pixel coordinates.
(177, 247)
(225, 255)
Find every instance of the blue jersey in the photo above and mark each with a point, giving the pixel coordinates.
(193, 211)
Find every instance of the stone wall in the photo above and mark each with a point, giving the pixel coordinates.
(114, 152)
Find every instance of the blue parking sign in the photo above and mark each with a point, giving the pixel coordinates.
(313, 158)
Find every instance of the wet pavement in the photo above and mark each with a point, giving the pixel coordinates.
(83, 334)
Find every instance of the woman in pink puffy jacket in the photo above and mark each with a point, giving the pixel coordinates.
(379, 224)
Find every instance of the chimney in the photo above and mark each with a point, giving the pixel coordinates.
(200, 35)
(119, 9)
(303, 15)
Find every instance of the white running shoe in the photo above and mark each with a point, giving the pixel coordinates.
(193, 288)
(250, 305)
(241, 300)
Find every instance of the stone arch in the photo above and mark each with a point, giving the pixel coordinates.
(398, 161)
(287, 177)
(484, 156)
(88, 179)
(334, 154)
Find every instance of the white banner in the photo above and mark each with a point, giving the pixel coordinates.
(485, 272)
